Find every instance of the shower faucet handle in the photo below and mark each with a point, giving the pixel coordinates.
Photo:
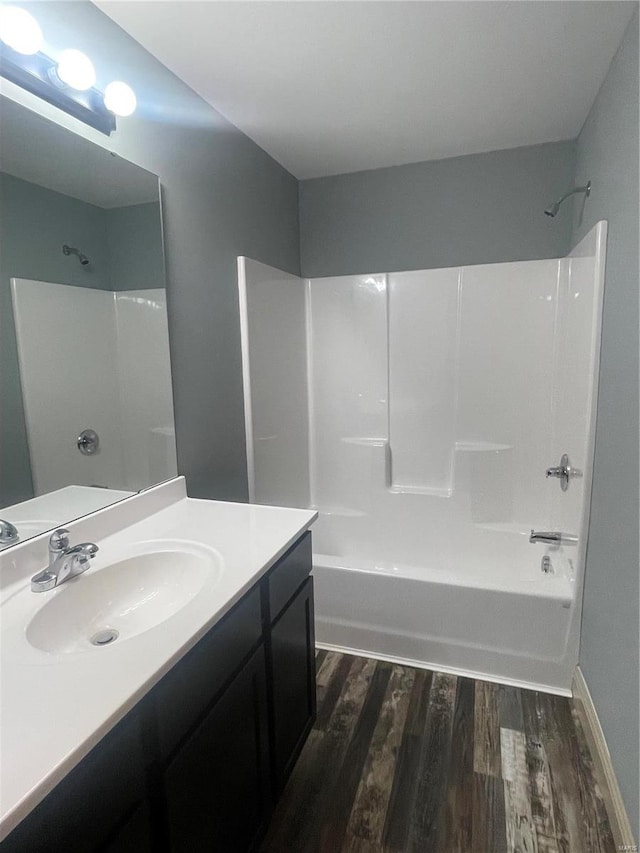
(563, 472)
(559, 471)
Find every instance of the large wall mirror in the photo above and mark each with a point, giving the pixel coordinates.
(85, 379)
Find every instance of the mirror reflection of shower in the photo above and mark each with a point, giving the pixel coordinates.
(119, 389)
(70, 250)
(553, 209)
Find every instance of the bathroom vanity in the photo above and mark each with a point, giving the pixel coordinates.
(175, 737)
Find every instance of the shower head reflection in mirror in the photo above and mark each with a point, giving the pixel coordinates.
(70, 250)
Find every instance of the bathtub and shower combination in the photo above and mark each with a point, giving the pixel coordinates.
(420, 412)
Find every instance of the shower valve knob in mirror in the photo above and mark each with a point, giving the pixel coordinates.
(88, 442)
(564, 471)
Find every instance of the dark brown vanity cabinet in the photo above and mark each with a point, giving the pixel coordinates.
(101, 805)
(287, 607)
(199, 763)
(217, 788)
(293, 682)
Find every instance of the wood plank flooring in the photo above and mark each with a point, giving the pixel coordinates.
(402, 759)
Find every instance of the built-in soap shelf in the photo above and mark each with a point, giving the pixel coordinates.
(365, 441)
(420, 490)
(489, 467)
(481, 447)
(382, 449)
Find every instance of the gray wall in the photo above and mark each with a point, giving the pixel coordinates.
(36, 222)
(125, 249)
(608, 155)
(483, 208)
(222, 197)
(134, 240)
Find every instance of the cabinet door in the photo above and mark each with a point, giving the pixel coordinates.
(293, 680)
(96, 806)
(133, 836)
(182, 697)
(217, 786)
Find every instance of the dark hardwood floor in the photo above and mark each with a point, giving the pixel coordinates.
(403, 759)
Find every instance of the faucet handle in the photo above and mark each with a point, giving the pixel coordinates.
(59, 540)
(557, 471)
(86, 549)
(80, 556)
(564, 472)
(8, 533)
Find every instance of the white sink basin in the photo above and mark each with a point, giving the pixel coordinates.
(112, 604)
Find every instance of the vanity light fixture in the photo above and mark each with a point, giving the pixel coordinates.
(19, 30)
(68, 83)
(75, 69)
(120, 98)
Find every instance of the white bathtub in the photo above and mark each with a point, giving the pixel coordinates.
(513, 627)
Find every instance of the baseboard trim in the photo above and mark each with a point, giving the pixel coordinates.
(605, 774)
(450, 670)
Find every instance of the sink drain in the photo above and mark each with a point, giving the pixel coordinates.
(103, 638)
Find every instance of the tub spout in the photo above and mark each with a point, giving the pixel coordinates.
(553, 537)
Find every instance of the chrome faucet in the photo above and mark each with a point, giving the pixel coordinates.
(64, 562)
(553, 537)
(564, 472)
(8, 533)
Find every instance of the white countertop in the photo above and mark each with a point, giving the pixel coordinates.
(56, 707)
(44, 512)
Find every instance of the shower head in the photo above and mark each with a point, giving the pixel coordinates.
(69, 250)
(555, 207)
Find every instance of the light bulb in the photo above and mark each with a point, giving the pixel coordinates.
(19, 30)
(120, 98)
(76, 70)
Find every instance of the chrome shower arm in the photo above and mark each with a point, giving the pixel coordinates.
(586, 189)
(555, 207)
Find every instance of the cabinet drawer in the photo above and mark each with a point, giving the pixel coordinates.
(185, 693)
(289, 574)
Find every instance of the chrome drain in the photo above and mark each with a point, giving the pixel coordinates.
(103, 638)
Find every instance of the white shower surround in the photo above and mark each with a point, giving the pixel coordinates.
(95, 359)
(418, 415)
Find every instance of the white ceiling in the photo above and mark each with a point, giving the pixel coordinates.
(332, 87)
(41, 152)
